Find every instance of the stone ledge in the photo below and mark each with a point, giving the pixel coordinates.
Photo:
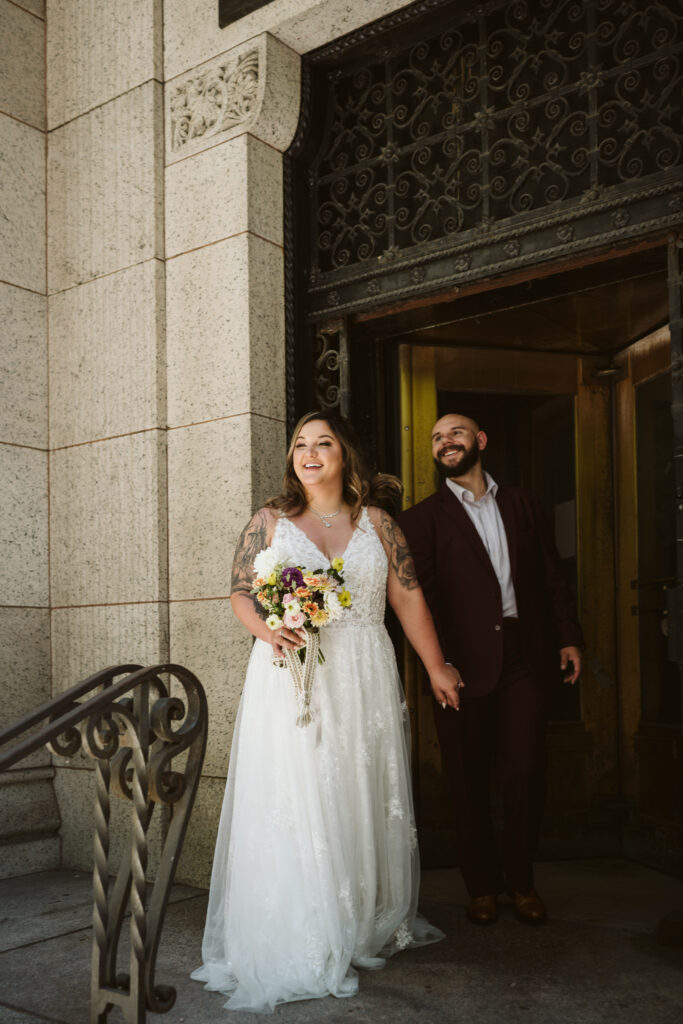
(29, 856)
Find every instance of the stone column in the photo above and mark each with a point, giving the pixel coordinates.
(28, 812)
(107, 408)
(227, 124)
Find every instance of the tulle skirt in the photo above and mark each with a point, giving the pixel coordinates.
(316, 867)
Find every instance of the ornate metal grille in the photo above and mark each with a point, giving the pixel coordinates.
(332, 367)
(526, 129)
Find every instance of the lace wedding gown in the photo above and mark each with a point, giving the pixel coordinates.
(316, 867)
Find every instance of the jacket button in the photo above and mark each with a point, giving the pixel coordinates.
(497, 629)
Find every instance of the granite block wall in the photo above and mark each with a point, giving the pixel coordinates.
(29, 818)
(107, 386)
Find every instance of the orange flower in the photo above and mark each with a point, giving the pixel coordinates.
(311, 609)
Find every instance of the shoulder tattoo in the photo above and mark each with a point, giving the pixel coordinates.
(254, 538)
(399, 553)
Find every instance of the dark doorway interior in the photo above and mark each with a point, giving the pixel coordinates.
(597, 446)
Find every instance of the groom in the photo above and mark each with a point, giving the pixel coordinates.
(491, 574)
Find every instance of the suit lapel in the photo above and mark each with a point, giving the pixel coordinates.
(454, 512)
(508, 516)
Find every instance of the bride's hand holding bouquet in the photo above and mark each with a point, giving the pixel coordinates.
(299, 602)
(296, 600)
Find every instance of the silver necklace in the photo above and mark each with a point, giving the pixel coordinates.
(324, 516)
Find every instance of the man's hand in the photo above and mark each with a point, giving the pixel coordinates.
(446, 686)
(570, 656)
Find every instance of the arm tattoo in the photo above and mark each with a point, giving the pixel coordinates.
(399, 553)
(254, 538)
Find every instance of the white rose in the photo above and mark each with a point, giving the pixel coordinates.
(333, 606)
(265, 562)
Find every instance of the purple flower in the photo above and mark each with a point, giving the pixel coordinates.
(291, 577)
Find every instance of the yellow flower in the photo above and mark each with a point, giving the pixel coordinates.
(345, 599)
(272, 579)
(320, 618)
(337, 564)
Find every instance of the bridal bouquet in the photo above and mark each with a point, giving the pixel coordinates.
(296, 598)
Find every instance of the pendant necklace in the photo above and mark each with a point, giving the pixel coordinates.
(324, 516)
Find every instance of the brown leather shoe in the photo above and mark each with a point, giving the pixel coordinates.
(529, 907)
(483, 910)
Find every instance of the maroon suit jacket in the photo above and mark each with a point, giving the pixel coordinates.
(463, 592)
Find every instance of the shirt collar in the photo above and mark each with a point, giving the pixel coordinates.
(462, 494)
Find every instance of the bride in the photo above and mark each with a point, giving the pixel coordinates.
(316, 866)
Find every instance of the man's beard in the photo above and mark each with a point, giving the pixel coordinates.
(471, 457)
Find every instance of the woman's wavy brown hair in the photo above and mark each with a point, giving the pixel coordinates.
(360, 486)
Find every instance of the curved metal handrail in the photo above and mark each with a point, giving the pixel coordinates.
(133, 727)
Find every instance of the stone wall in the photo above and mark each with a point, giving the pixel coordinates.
(107, 386)
(29, 819)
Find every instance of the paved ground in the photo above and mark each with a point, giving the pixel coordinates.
(598, 960)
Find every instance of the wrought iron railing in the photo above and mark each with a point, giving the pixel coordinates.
(133, 727)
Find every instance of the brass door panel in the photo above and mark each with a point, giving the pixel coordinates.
(651, 753)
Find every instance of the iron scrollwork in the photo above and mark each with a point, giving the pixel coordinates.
(490, 138)
(134, 742)
(332, 391)
(148, 745)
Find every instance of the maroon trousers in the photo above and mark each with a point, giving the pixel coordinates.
(504, 733)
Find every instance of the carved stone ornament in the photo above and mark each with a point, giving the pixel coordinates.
(222, 97)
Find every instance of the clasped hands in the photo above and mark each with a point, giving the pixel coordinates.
(446, 685)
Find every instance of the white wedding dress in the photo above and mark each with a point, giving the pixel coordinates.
(316, 865)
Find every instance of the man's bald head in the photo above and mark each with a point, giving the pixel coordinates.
(452, 419)
(457, 443)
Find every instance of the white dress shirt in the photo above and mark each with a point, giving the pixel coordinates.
(488, 522)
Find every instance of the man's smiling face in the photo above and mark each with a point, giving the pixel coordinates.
(456, 444)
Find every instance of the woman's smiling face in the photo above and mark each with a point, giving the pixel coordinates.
(317, 455)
